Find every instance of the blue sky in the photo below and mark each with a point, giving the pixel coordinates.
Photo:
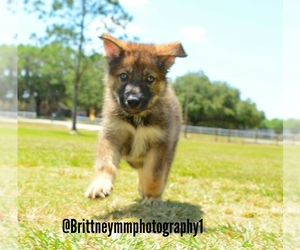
(251, 45)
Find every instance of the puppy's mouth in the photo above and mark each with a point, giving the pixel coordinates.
(133, 111)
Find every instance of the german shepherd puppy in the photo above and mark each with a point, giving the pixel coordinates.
(142, 116)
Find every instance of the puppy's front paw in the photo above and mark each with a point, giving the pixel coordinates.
(100, 188)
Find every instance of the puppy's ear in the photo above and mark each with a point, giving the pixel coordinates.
(112, 46)
(168, 52)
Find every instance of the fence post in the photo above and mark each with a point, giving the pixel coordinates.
(229, 134)
(216, 138)
(256, 135)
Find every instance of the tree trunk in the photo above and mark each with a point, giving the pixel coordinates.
(77, 70)
(187, 100)
(38, 102)
(74, 111)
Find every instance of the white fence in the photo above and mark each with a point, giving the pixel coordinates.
(15, 115)
(26, 114)
(265, 136)
(8, 114)
(85, 119)
(249, 133)
(231, 134)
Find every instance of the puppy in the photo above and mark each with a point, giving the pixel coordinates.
(142, 116)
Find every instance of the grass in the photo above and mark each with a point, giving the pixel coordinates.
(291, 202)
(236, 189)
(8, 183)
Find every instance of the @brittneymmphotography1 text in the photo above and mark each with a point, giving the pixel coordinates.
(134, 228)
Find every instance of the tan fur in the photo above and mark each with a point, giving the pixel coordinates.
(146, 138)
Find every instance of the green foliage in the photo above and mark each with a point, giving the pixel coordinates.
(8, 72)
(276, 124)
(91, 88)
(248, 115)
(43, 74)
(46, 75)
(215, 103)
(293, 125)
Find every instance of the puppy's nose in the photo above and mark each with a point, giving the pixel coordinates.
(133, 101)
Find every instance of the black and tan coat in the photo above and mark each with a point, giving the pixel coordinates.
(142, 116)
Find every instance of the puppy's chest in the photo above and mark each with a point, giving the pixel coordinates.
(140, 140)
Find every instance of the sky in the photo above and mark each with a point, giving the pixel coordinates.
(251, 45)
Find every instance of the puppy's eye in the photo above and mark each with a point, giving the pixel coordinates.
(150, 79)
(124, 77)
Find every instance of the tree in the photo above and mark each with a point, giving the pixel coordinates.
(8, 74)
(215, 103)
(293, 125)
(247, 114)
(71, 20)
(92, 87)
(276, 124)
(43, 74)
(196, 104)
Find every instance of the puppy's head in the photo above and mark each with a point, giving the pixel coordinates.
(137, 72)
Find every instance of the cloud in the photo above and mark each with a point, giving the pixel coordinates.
(194, 34)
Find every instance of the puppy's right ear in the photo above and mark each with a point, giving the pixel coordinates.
(112, 46)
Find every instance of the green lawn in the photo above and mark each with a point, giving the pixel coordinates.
(235, 188)
(8, 184)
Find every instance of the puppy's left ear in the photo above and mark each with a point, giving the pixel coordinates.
(112, 46)
(168, 52)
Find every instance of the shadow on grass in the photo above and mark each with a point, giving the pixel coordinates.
(167, 218)
(169, 211)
